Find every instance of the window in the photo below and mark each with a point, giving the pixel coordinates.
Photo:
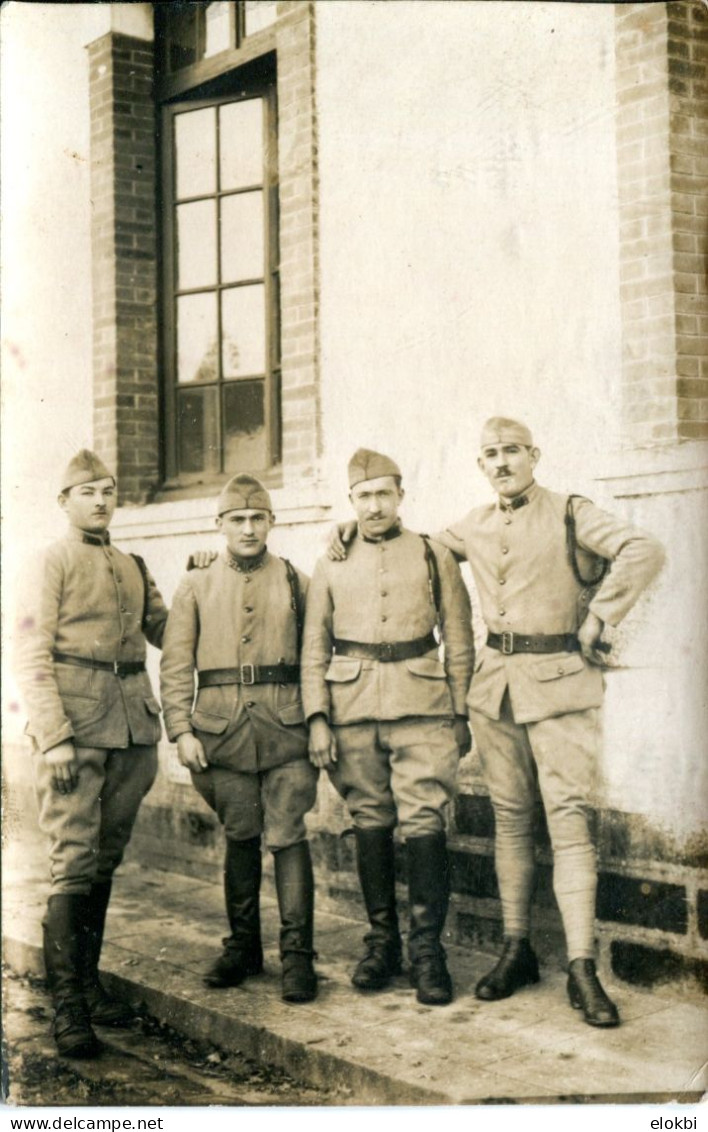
(191, 32)
(221, 334)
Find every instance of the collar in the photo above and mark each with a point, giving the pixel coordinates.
(90, 539)
(246, 565)
(519, 500)
(393, 532)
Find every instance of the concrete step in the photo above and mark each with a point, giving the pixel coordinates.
(164, 929)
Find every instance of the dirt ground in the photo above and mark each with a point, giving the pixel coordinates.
(148, 1064)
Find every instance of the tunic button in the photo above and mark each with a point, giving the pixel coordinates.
(561, 670)
(384, 593)
(123, 609)
(384, 618)
(507, 521)
(250, 703)
(246, 581)
(505, 550)
(502, 581)
(122, 640)
(245, 640)
(248, 609)
(502, 612)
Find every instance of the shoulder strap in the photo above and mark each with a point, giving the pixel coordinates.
(433, 576)
(295, 599)
(572, 545)
(140, 563)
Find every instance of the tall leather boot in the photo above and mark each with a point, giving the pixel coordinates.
(375, 863)
(243, 951)
(104, 1010)
(295, 887)
(429, 890)
(64, 937)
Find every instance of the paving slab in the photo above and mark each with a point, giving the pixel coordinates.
(164, 929)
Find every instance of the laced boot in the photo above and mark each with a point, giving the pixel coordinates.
(104, 1010)
(429, 889)
(516, 967)
(375, 862)
(586, 993)
(64, 926)
(295, 888)
(243, 951)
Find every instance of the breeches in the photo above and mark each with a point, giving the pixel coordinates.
(273, 801)
(90, 828)
(398, 771)
(559, 754)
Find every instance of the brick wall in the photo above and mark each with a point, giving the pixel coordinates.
(661, 143)
(124, 252)
(299, 264)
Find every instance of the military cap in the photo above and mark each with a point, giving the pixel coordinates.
(368, 465)
(244, 493)
(502, 430)
(85, 467)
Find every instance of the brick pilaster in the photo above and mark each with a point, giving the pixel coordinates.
(124, 253)
(299, 264)
(661, 121)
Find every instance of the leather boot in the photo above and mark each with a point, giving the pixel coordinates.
(516, 967)
(64, 931)
(585, 993)
(295, 887)
(104, 1010)
(429, 890)
(243, 951)
(375, 862)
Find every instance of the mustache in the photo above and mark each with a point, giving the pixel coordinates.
(502, 472)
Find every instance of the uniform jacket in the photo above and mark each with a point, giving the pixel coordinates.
(223, 617)
(526, 584)
(382, 593)
(87, 599)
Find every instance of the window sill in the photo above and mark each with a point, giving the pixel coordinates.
(185, 512)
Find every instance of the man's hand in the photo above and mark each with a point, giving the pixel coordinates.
(201, 559)
(322, 745)
(190, 752)
(593, 649)
(338, 539)
(65, 767)
(463, 735)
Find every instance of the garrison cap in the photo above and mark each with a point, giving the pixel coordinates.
(85, 467)
(244, 493)
(368, 465)
(502, 430)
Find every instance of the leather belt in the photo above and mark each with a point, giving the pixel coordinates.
(120, 668)
(388, 650)
(248, 674)
(508, 643)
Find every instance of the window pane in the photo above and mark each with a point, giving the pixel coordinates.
(196, 245)
(218, 28)
(197, 349)
(183, 36)
(243, 331)
(241, 144)
(198, 439)
(195, 142)
(245, 446)
(260, 14)
(242, 237)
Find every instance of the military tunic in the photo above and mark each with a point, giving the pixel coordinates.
(397, 757)
(232, 616)
(86, 599)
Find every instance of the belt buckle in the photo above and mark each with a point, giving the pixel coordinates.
(244, 680)
(507, 644)
(116, 668)
(386, 651)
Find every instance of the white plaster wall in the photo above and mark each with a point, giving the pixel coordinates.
(469, 237)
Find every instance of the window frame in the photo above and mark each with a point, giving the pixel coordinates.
(243, 88)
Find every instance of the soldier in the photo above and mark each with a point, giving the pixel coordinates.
(386, 719)
(94, 723)
(237, 622)
(537, 688)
